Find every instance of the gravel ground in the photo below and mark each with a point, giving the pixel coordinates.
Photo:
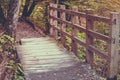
(79, 71)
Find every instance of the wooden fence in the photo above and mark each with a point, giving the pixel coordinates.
(112, 39)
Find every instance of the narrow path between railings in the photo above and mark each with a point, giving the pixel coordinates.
(42, 59)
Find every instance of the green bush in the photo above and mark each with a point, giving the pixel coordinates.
(8, 50)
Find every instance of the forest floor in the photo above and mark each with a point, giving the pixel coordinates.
(26, 31)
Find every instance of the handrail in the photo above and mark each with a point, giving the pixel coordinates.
(112, 39)
(94, 17)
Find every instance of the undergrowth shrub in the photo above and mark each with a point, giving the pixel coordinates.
(13, 69)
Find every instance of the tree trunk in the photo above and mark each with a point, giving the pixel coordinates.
(31, 8)
(2, 17)
(25, 10)
(46, 16)
(12, 17)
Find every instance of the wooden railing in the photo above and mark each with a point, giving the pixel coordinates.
(58, 25)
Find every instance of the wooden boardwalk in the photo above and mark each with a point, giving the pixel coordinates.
(42, 59)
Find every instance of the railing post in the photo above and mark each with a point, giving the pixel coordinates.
(75, 20)
(89, 38)
(51, 20)
(55, 23)
(63, 26)
(113, 46)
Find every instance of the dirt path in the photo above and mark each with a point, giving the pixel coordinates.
(26, 31)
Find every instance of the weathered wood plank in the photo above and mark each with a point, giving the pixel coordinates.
(89, 38)
(93, 17)
(75, 20)
(113, 46)
(63, 26)
(48, 57)
(99, 36)
(36, 59)
(51, 20)
(81, 28)
(55, 22)
(98, 52)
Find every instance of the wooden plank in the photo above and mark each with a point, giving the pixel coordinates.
(35, 59)
(40, 53)
(51, 20)
(63, 26)
(80, 42)
(81, 28)
(69, 11)
(94, 17)
(43, 50)
(75, 20)
(99, 18)
(47, 56)
(63, 32)
(67, 34)
(55, 22)
(36, 71)
(46, 68)
(29, 46)
(33, 39)
(50, 65)
(113, 46)
(57, 59)
(89, 38)
(75, 38)
(55, 27)
(98, 52)
(99, 36)
(47, 63)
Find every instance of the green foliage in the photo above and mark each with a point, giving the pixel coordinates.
(102, 28)
(100, 7)
(17, 70)
(81, 53)
(69, 29)
(8, 49)
(100, 65)
(38, 17)
(81, 36)
(4, 4)
(6, 44)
